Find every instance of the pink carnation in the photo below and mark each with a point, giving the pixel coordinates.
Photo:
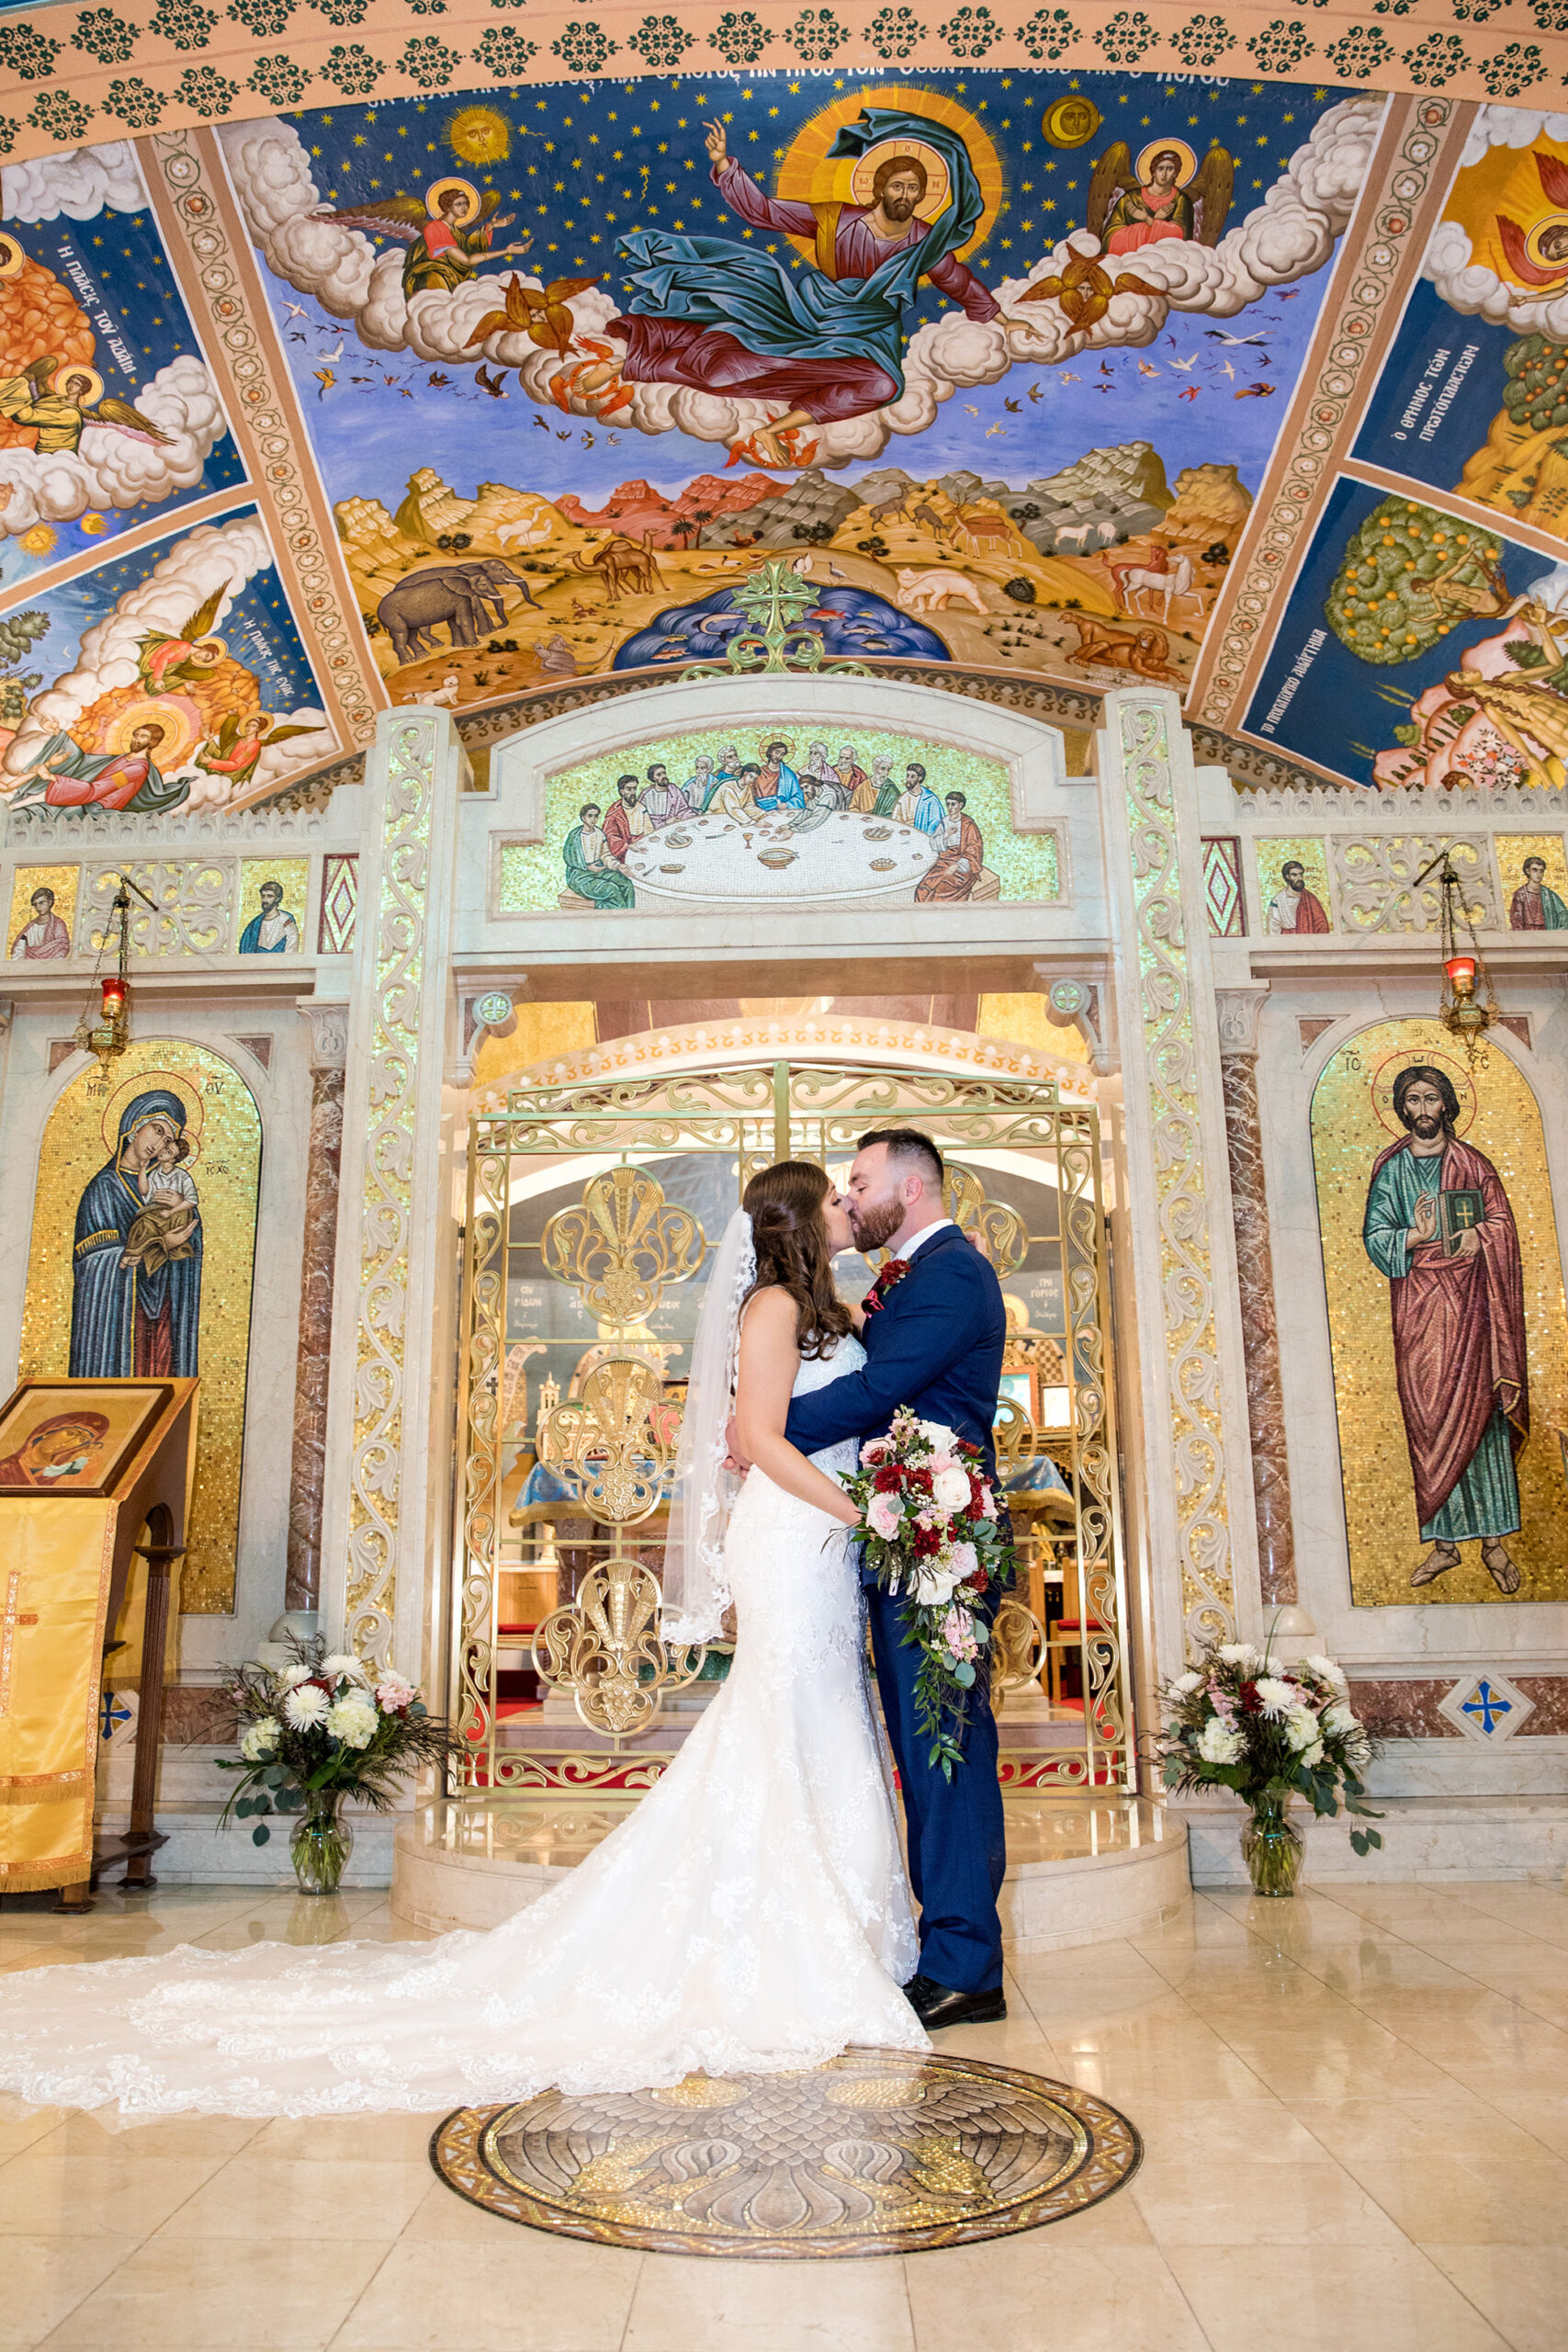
(393, 1695)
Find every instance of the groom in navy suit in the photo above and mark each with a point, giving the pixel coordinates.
(934, 1328)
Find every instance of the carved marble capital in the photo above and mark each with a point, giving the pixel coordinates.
(1076, 1004)
(1238, 1010)
(329, 1035)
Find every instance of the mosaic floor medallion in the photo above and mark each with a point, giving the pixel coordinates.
(876, 2153)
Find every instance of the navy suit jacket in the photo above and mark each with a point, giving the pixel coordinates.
(935, 1345)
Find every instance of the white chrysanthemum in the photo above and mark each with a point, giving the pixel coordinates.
(292, 1676)
(1217, 1744)
(340, 1664)
(1314, 1754)
(1185, 1684)
(1240, 1654)
(306, 1707)
(1338, 1720)
(259, 1740)
(1276, 1696)
(1327, 1671)
(1300, 1731)
(353, 1719)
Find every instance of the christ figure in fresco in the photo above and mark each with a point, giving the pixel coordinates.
(829, 342)
(1439, 1225)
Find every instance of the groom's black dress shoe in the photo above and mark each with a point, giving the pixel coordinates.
(936, 2005)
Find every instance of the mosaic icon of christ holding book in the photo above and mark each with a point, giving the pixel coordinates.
(1439, 1225)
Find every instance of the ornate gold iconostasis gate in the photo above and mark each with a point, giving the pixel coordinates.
(592, 1209)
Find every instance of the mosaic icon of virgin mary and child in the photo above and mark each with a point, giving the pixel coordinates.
(828, 341)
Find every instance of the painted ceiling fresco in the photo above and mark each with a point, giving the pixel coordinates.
(1257, 388)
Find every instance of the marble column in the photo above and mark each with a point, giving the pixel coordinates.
(329, 1045)
(1238, 1009)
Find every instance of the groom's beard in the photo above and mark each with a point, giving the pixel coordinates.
(876, 1224)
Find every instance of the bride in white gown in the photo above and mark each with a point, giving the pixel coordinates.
(752, 1915)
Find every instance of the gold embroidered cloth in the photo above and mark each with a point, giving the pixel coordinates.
(56, 1560)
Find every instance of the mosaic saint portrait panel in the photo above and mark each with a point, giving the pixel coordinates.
(1446, 1318)
(142, 1256)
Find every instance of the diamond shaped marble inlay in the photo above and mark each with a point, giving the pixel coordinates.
(1486, 1707)
(340, 898)
(1222, 885)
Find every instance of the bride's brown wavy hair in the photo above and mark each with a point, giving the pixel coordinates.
(784, 1204)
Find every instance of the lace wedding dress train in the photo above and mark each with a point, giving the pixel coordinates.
(752, 1915)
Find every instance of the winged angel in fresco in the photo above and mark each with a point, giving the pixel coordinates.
(1169, 195)
(1537, 256)
(59, 401)
(448, 236)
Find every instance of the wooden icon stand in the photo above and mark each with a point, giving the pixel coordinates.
(85, 1466)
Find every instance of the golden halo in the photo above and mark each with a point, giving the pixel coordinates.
(437, 189)
(1069, 122)
(809, 174)
(221, 643)
(176, 714)
(156, 1081)
(63, 375)
(1388, 1070)
(867, 165)
(13, 260)
(1557, 265)
(1157, 147)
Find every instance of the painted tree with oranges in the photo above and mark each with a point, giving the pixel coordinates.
(1409, 575)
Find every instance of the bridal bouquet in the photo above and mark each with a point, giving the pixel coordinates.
(317, 1731)
(929, 1521)
(1271, 1732)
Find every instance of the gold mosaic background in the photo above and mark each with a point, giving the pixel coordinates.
(533, 875)
(225, 1165)
(1380, 1500)
(1274, 851)
(60, 879)
(294, 873)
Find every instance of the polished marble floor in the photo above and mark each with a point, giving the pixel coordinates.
(1354, 2109)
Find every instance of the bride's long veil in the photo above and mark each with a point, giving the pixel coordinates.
(696, 1589)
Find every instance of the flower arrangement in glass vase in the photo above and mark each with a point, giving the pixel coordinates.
(321, 1729)
(929, 1530)
(1237, 1720)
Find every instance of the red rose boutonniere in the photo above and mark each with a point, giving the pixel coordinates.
(892, 1273)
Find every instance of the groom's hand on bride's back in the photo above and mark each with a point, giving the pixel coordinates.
(734, 1458)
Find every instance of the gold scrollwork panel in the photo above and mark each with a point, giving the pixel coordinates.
(605, 1439)
(605, 1648)
(621, 1243)
(1000, 1231)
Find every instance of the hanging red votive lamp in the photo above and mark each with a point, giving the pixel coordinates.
(1461, 970)
(114, 988)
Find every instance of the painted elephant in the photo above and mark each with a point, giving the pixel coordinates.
(490, 578)
(458, 596)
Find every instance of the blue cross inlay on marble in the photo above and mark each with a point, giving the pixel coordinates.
(112, 1712)
(1485, 1704)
